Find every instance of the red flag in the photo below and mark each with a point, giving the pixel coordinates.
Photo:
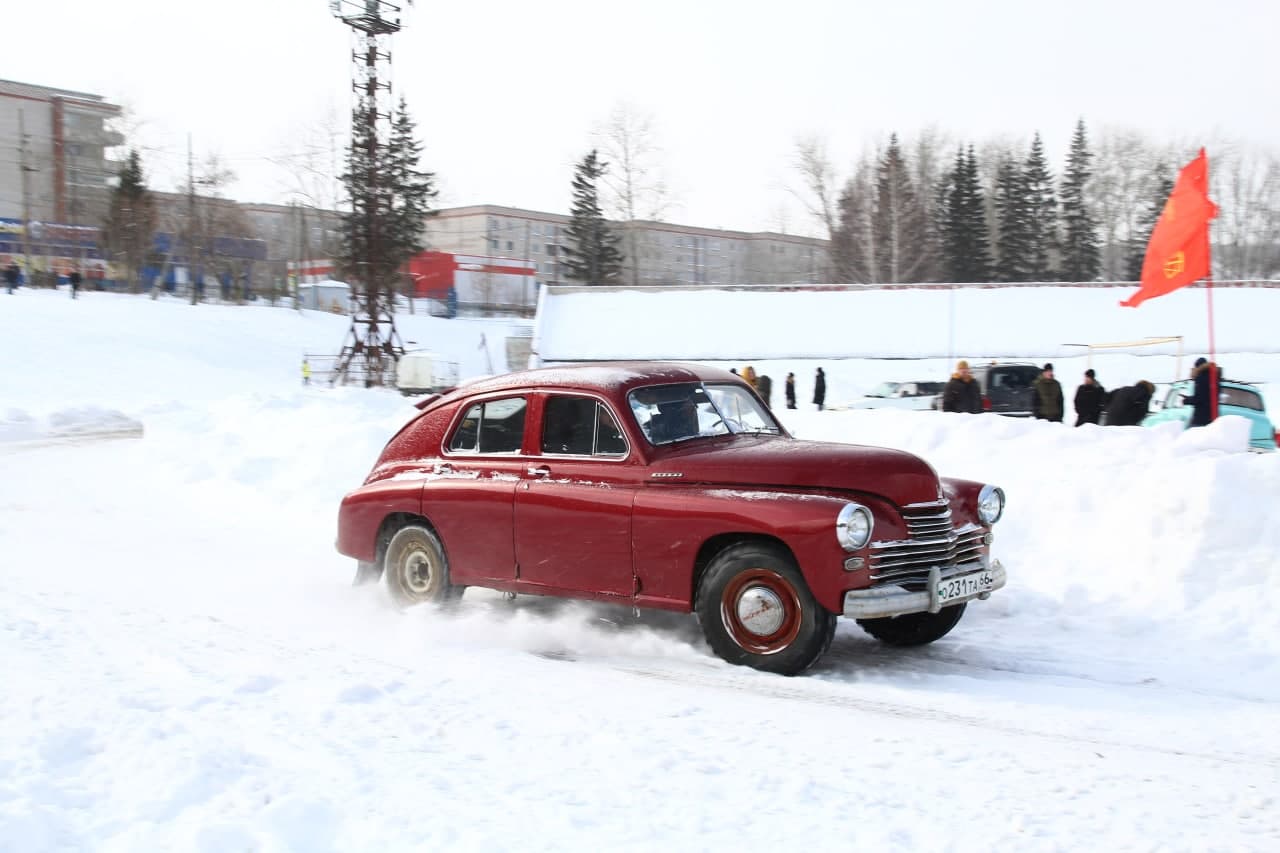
(1178, 252)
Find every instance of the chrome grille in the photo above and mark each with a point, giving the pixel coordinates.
(932, 542)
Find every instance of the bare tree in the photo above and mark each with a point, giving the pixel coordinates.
(819, 182)
(634, 186)
(1246, 187)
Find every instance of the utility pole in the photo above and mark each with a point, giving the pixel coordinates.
(26, 197)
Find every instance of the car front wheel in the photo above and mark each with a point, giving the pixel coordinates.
(914, 629)
(756, 610)
(417, 568)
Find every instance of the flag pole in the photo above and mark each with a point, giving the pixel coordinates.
(1213, 361)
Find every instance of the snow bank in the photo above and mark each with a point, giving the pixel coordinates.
(187, 666)
(1034, 322)
(68, 425)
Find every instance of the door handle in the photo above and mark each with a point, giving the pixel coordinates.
(539, 471)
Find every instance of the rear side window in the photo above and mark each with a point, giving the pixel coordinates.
(1011, 378)
(1240, 397)
(494, 426)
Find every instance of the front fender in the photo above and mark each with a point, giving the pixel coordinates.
(671, 524)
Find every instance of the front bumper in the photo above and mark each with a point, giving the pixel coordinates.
(889, 600)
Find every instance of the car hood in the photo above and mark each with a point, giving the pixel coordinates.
(895, 475)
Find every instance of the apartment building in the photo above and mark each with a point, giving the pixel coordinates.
(53, 154)
(656, 253)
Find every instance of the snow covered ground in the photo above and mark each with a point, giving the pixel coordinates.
(186, 667)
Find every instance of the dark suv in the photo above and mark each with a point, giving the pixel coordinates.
(1006, 388)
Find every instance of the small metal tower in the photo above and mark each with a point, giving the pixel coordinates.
(373, 345)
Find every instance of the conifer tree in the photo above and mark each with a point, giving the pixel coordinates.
(390, 200)
(1162, 185)
(1081, 255)
(591, 255)
(1012, 262)
(853, 239)
(963, 222)
(1041, 213)
(131, 220)
(901, 223)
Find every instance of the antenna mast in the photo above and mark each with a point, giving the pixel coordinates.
(373, 345)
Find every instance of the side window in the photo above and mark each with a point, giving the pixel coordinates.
(495, 426)
(568, 425)
(1174, 400)
(609, 440)
(580, 426)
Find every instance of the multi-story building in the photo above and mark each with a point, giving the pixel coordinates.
(656, 253)
(55, 166)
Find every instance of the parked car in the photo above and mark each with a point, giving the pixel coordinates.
(901, 395)
(1234, 398)
(671, 487)
(1006, 388)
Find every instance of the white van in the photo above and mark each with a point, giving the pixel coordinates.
(422, 372)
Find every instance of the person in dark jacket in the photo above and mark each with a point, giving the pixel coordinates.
(791, 390)
(962, 393)
(1201, 399)
(820, 389)
(74, 279)
(11, 274)
(764, 387)
(1091, 397)
(1046, 396)
(1128, 406)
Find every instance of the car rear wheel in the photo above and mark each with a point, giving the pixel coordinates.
(417, 568)
(756, 610)
(914, 629)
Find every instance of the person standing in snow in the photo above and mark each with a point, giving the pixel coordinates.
(1201, 399)
(820, 388)
(306, 372)
(1128, 406)
(1090, 398)
(791, 390)
(962, 393)
(74, 278)
(11, 274)
(749, 374)
(1046, 396)
(764, 385)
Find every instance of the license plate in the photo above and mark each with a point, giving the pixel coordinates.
(964, 586)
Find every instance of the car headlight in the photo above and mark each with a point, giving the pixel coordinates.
(990, 504)
(853, 526)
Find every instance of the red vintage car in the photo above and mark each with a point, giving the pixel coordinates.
(670, 486)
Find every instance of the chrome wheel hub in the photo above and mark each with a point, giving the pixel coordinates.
(760, 611)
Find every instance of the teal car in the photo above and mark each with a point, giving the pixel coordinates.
(1234, 398)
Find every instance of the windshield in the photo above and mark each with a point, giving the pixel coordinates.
(669, 413)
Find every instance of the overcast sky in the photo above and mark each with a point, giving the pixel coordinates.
(506, 94)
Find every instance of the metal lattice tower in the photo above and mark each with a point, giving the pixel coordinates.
(372, 345)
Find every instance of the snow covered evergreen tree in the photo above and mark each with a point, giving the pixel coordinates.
(901, 221)
(1040, 209)
(1081, 254)
(966, 248)
(592, 255)
(131, 220)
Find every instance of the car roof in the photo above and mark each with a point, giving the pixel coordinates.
(609, 377)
